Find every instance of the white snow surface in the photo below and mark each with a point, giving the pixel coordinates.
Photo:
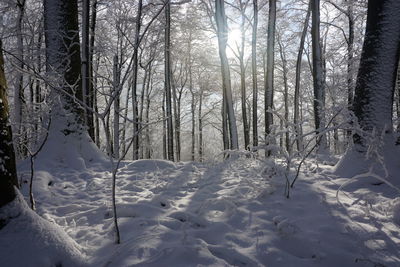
(230, 213)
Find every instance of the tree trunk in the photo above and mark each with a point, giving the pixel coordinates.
(201, 151)
(135, 116)
(296, 117)
(269, 81)
(164, 138)
(285, 96)
(373, 99)
(92, 88)
(116, 89)
(147, 113)
(8, 171)
(318, 77)
(350, 54)
(63, 59)
(246, 130)
(167, 73)
(176, 119)
(85, 68)
(254, 72)
(19, 99)
(222, 33)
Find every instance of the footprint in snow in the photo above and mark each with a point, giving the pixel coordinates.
(285, 227)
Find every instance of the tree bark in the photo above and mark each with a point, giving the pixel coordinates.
(19, 99)
(135, 146)
(246, 130)
(201, 150)
(92, 94)
(85, 68)
(373, 99)
(269, 81)
(63, 58)
(8, 171)
(285, 96)
(116, 89)
(296, 117)
(318, 77)
(254, 73)
(167, 74)
(222, 34)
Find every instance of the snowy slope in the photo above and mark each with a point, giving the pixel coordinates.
(230, 213)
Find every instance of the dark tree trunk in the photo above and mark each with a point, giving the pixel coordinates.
(318, 77)
(269, 79)
(254, 72)
(135, 147)
(19, 99)
(164, 131)
(92, 93)
(168, 91)
(296, 118)
(373, 99)
(63, 56)
(85, 47)
(8, 172)
(350, 55)
(246, 129)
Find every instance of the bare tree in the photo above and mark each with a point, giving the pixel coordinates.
(222, 34)
(296, 116)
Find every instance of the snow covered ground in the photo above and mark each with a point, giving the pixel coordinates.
(230, 213)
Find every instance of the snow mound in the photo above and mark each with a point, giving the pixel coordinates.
(27, 240)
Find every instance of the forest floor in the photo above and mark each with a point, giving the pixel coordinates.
(230, 213)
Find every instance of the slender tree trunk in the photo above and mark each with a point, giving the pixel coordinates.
(116, 85)
(8, 171)
(222, 33)
(165, 156)
(318, 77)
(254, 72)
(167, 73)
(176, 118)
(96, 108)
(296, 117)
(201, 151)
(147, 113)
(92, 94)
(350, 54)
(126, 109)
(85, 68)
(193, 100)
(225, 132)
(19, 99)
(246, 130)
(38, 91)
(135, 146)
(285, 96)
(144, 85)
(269, 81)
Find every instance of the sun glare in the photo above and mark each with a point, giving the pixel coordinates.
(234, 38)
